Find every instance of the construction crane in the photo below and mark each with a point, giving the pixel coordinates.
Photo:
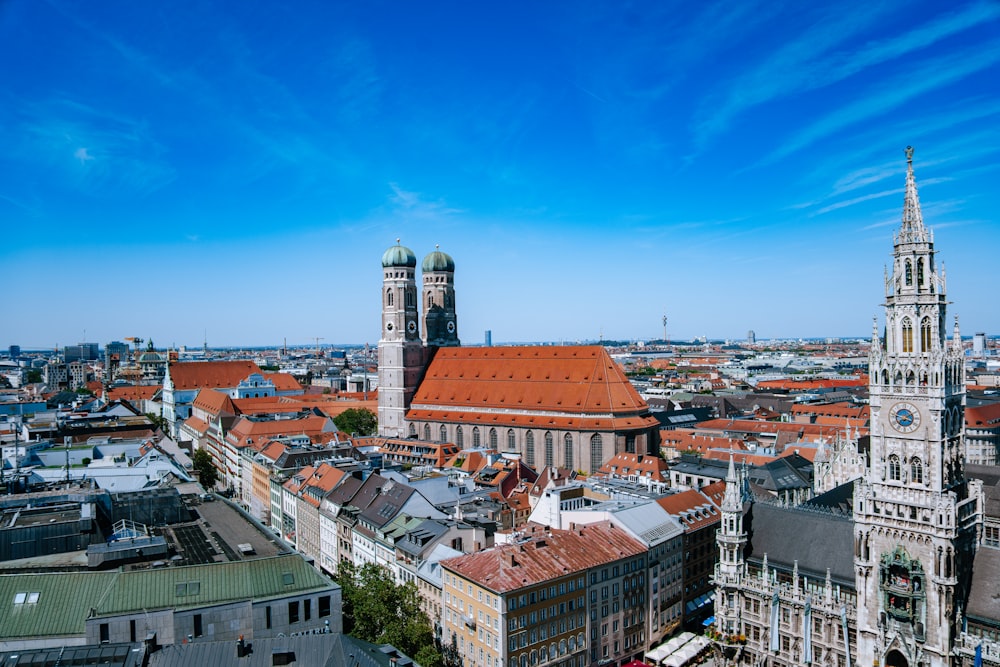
(318, 339)
(136, 343)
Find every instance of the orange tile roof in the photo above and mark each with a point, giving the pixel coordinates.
(832, 410)
(691, 504)
(136, 393)
(532, 421)
(739, 458)
(272, 451)
(250, 433)
(283, 381)
(759, 427)
(578, 379)
(206, 374)
(625, 463)
(545, 555)
(811, 385)
(214, 402)
(268, 405)
(197, 425)
(987, 415)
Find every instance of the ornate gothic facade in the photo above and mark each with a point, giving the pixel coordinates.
(879, 571)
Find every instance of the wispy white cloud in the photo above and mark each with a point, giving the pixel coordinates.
(413, 205)
(118, 152)
(857, 200)
(810, 62)
(930, 76)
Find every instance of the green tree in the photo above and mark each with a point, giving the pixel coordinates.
(159, 421)
(357, 420)
(378, 610)
(203, 465)
(34, 376)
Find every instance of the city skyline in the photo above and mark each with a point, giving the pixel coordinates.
(211, 174)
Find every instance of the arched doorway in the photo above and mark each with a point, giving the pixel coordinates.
(895, 659)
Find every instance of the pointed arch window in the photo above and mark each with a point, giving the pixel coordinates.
(596, 452)
(916, 471)
(548, 448)
(907, 335)
(511, 445)
(388, 297)
(885, 377)
(894, 471)
(430, 300)
(909, 273)
(413, 430)
(459, 437)
(493, 438)
(920, 272)
(427, 431)
(568, 451)
(475, 437)
(443, 432)
(529, 448)
(911, 379)
(925, 334)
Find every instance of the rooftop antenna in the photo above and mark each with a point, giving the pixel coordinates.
(664, 329)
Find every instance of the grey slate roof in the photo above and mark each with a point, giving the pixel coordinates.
(984, 598)
(319, 650)
(818, 540)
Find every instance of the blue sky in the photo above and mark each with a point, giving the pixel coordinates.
(235, 170)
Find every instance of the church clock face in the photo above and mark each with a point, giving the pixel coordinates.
(904, 417)
(388, 326)
(411, 326)
(451, 327)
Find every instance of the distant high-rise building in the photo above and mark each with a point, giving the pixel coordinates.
(116, 353)
(751, 337)
(15, 351)
(80, 352)
(979, 344)
(488, 338)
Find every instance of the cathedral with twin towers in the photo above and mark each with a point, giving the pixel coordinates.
(563, 406)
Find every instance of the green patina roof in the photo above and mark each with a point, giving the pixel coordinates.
(66, 600)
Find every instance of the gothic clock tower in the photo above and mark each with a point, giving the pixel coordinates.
(916, 515)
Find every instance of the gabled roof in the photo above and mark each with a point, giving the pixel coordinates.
(817, 540)
(283, 381)
(206, 374)
(694, 509)
(249, 433)
(387, 503)
(643, 465)
(214, 402)
(545, 555)
(565, 379)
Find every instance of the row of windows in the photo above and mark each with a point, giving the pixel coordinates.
(916, 469)
(925, 335)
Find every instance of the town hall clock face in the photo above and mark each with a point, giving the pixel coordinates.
(904, 417)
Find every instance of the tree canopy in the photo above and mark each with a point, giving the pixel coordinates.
(378, 610)
(202, 462)
(357, 420)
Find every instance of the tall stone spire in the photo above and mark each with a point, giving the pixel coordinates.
(912, 230)
(731, 500)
